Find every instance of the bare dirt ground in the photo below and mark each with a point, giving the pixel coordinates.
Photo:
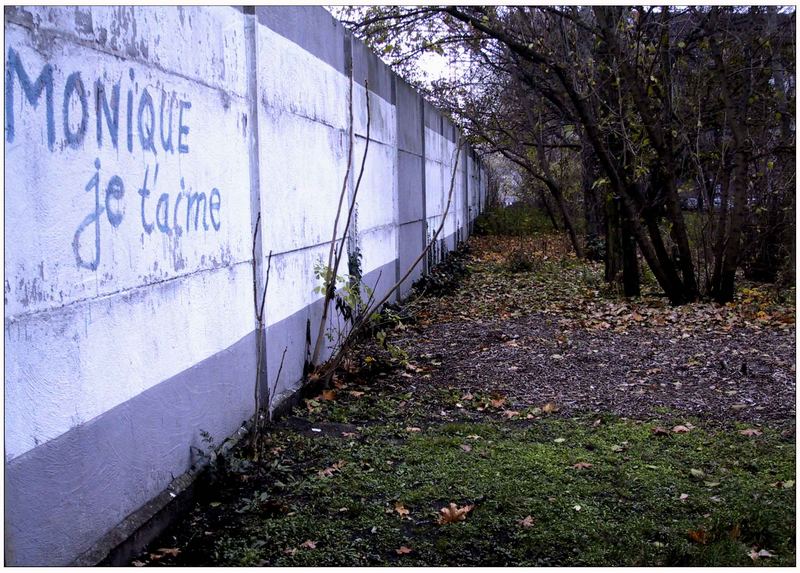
(552, 335)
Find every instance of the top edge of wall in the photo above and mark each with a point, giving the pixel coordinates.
(319, 32)
(153, 36)
(311, 27)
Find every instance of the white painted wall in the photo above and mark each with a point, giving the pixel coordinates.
(127, 310)
(106, 299)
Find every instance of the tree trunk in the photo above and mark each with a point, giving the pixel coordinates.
(613, 258)
(630, 261)
(593, 206)
(735, 113)
(548, 210)
(555, 191)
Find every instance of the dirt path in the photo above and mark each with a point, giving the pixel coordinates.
(564, 342)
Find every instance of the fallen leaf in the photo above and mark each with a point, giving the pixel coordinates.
(309, 544)
(681, 430)
(576, 507)
(328, 472)
(169, 551)
(473, 437)
(329, 394)
(466, 447)
(356, 393)
(467, 396)
(684, 496)
(597, 422)
(403, 550)
(783, 484)
(560, 440)
(698, 536)
(582, 465)
(413, 429)
(497, 402)
(348, 434)
(659, 431)
(510, 413)
(549, 408)
(401, 510)
(454, 514)
(527, 522)
(754, 555)
(750, 432)
(697, 473)
(290, 551)
(711, 483)
(138, 563)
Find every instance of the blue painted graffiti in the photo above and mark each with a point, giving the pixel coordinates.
(146, 121)
(182, 213)
(33, 92)
(198, 209)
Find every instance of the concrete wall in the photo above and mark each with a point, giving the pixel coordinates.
(141, 145)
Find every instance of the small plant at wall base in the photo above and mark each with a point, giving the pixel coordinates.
(347, 298)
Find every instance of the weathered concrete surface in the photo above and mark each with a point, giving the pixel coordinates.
(128, 258)
(142, 144)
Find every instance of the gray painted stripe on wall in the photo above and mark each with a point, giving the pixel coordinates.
(312, 28)
(65, 494)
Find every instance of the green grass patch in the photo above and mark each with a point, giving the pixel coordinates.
(515, 220)
(625, 509)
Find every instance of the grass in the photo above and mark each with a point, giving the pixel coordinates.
(518, 219)
(626, 509)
